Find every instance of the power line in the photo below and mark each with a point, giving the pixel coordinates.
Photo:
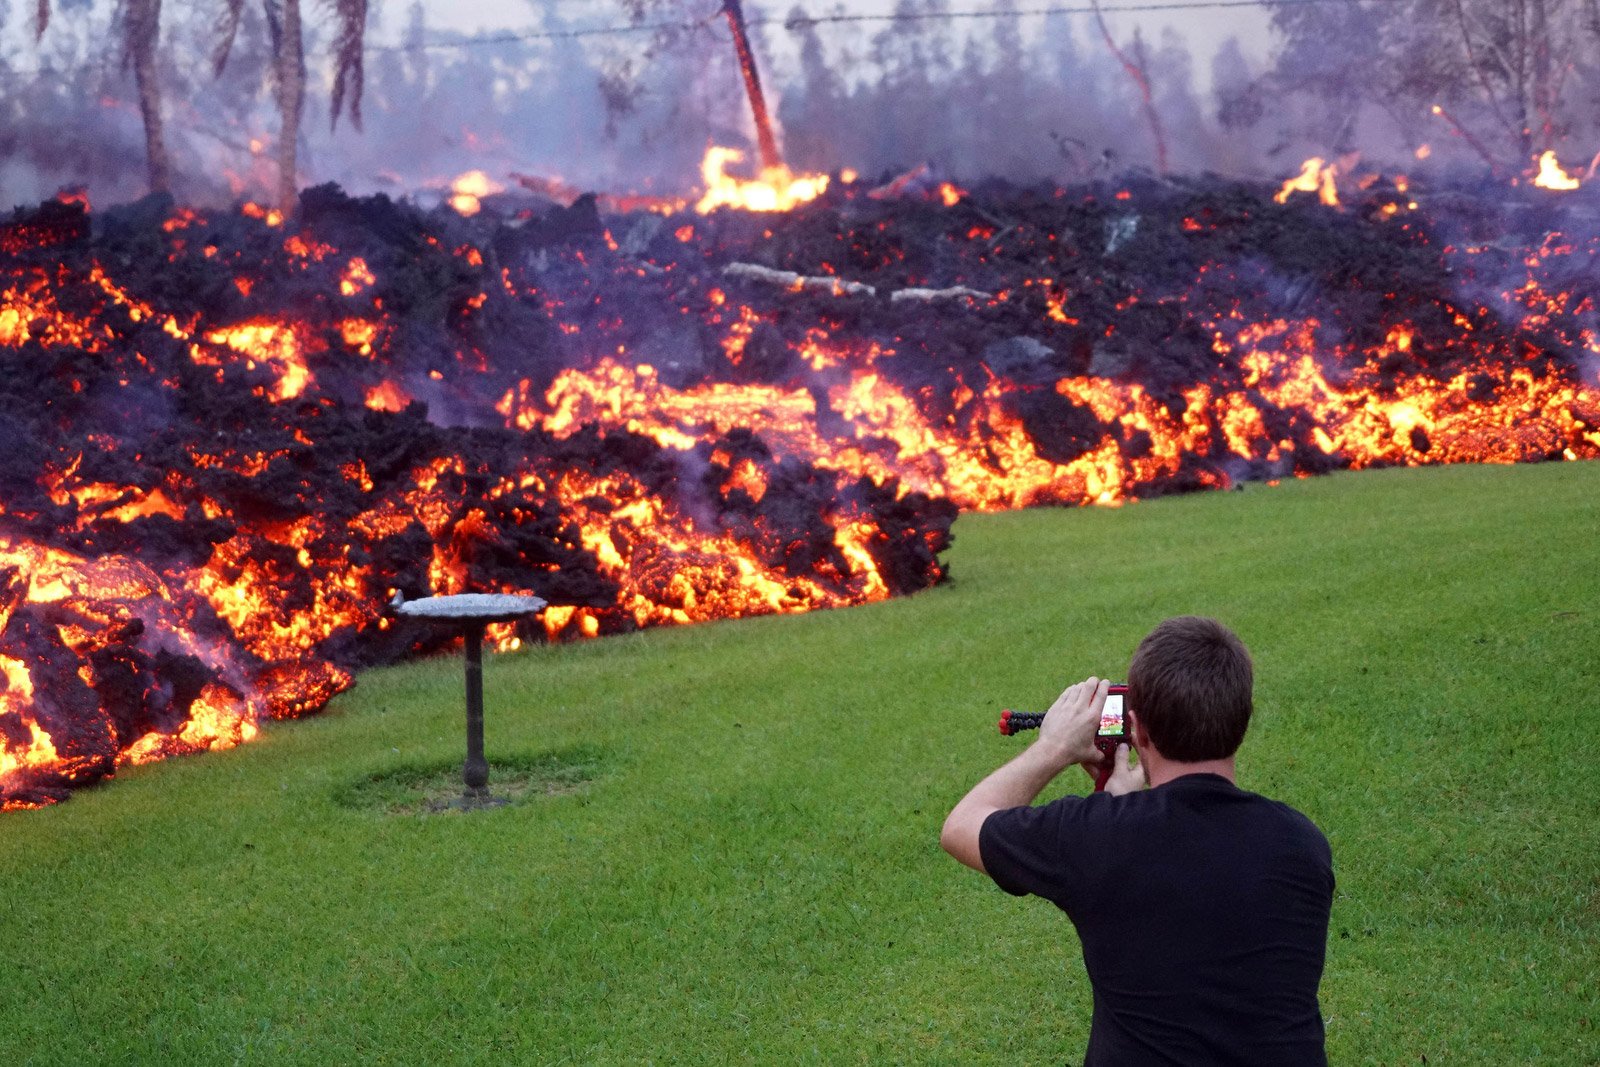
(792, 23)
(801, 21)
(930, 16)
(545, 35)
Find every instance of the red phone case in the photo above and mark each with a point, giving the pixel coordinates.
(1107, 743)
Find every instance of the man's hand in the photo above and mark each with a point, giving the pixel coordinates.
(1069, 726)
(1066, 736)
(1126, 776)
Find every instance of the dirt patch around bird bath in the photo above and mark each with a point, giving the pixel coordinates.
(435, 788)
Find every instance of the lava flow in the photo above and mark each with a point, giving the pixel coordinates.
(233, 435)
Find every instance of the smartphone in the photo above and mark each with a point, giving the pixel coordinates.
(1113, 721)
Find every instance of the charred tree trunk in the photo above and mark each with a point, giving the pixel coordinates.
(1520, 79)
(290, 71)
(765, 141)
(1136, 71)
(1544, 75)
(144, 31)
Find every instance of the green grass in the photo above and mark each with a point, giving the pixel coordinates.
(751, 872)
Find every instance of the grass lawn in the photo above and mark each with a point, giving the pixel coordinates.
(751, 871)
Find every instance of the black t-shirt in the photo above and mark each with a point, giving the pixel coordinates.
(1203, 913)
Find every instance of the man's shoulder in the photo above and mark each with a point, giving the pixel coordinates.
(1206, 797)
(1289, 833)
(1292, 818)
(1215, 796)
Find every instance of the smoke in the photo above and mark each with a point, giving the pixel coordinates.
(1029, 98)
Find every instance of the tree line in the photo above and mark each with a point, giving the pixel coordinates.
(139, 32)
(1030, 98)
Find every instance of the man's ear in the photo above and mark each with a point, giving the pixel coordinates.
(1141, 740)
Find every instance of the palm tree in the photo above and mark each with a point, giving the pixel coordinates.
(289, 72)
(669, 35)
(141, 30)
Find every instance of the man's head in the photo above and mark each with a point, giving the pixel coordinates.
(1189, 689)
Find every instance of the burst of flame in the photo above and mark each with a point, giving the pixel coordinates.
(359, 334)
(357, 276)
(1551, 176)
(1316, 176)
(387, 396)
(271, 216)
(778, 189)
(468, 190)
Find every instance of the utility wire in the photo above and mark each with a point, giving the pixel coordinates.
(792, 23)
(550, 35)
(929, 16)
(804, 21)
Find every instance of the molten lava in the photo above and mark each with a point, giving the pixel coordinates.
(226, 454)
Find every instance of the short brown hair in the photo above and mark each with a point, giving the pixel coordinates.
(1189, 685)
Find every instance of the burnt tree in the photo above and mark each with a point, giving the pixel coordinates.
(141, 31)
(285, 25)
(141, 35)
(620, 92)
(1511, 79)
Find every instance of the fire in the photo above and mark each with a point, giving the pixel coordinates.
(360, 335)
(679, 574)
(982, 457)
(468, 190)
(777, 189)
(271, 216)
(1316, 176)
(356, 277)
(387, 396)
(114, 612)
(1551, 176)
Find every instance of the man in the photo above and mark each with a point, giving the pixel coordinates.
(1202, 908)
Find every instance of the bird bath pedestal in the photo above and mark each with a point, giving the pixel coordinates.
(470, 613)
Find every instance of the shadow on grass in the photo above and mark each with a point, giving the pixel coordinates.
(434, 787)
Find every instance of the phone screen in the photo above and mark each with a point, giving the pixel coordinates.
(1111, 716)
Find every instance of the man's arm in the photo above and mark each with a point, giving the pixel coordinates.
(1066, 736)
